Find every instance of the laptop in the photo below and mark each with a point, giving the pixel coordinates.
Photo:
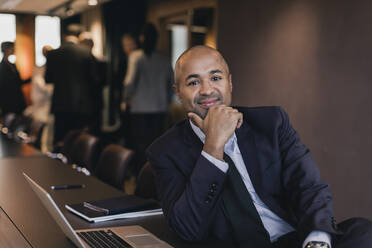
(123, 236)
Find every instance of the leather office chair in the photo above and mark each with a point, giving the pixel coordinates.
(66, 147)
(30, 132)
(85, 151)
(21, 127)
(63, 150)
(113, 165)
(146, 186)
(8, 119)
(8, 123)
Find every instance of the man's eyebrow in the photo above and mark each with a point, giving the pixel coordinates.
(192, 76)
(215, 71)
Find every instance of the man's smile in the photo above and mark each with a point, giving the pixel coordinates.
(209, 102)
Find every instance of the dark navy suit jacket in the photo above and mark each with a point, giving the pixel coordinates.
(280, 167)
(73, 71)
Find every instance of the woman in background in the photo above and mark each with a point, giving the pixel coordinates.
(148, 92)
(39, 110)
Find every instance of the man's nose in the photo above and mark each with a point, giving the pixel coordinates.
(205, 88)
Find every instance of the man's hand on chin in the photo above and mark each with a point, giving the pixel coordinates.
(218, 126)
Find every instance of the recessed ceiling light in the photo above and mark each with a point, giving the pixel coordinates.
(10, 4)
(92, 2)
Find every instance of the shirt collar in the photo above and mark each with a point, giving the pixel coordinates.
(230, 145)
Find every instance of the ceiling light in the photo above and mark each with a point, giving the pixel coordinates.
(92, 2)
(10, 4)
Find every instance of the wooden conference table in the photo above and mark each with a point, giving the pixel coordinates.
(10, 148)
(33, 220)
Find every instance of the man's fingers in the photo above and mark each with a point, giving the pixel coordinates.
(195, 119)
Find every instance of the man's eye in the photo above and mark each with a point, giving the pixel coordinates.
(215, 78)
(192, 83)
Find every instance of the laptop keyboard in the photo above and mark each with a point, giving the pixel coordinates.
(103, 239)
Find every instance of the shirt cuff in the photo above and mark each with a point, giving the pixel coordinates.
(223, 166)
(318, 236)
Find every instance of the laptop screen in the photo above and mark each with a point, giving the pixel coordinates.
(10, 235)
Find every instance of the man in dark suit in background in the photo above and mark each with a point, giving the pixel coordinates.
(11, 96)
(86, 40)
(71, 69)
(242, 174)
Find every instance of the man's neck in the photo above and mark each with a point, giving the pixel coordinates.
(6, 58)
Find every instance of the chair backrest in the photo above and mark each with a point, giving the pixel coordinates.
(113, 165)
(9, 119)
(146, 186)
(85, 151)
(22, 124)
(67, 145)
(10, 122)
(29, 131)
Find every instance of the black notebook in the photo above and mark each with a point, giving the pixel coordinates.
(128, 206)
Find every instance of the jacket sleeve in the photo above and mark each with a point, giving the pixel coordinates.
(131, 86)
(188, 201)
(309, 196)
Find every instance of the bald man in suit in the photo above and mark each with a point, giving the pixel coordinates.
(242, 174)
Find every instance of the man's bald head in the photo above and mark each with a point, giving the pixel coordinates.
(194, 53)
(202, 80)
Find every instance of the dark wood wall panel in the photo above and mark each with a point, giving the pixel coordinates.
(314, 59)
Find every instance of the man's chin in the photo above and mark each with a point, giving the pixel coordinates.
(202, 113)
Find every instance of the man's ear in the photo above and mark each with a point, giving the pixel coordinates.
(176, 90)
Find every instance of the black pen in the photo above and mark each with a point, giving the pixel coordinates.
(74, 186)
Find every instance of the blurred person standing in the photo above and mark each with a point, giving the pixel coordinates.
(86, 41)
(133, 54)
(39, 110)
(12, 99)
(149, 93)
(71, 69)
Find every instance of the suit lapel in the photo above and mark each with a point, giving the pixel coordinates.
(247, 145)
(193, 142)
(247, 141)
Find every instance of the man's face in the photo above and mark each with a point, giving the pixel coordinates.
(129, 45)
(203, 80)
(9, 50)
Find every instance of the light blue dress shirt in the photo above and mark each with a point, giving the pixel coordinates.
(274, 225)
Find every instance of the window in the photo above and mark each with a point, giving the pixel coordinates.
(8, 29)
(47, 32)
(179, 41)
